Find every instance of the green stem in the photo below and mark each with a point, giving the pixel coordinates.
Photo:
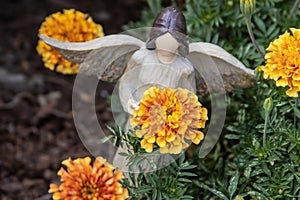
(295, 117)
(293, 8)
(265, 128)
(249, 27)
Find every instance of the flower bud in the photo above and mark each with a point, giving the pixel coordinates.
(247, 7)
(268, 104)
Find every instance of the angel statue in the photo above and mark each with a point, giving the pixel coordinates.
(166, 59)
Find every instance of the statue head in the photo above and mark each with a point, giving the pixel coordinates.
(170, 20)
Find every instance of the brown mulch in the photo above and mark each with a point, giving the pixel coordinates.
(37, 130)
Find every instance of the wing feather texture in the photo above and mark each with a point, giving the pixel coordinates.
(233, 72)
(105, 57)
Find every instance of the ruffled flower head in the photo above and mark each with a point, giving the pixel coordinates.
(170, 118)
(83, 181)
(283, 62)
(69, 25)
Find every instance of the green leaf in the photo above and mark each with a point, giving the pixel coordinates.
(218, 193)
(214, 191)
(267, 170)
(187, 174)
(285, 109)
(271, 29)
(260, 188)
(260, 24)
(257, 194)
(181, 159)
(123, 154)
(247, 172)
(184, 197)
(155, 6)
(233, 184)
(185, 180)
(159, 196)
(297, 112)
(105, 139)
(233, 129)
(187, 166)
(114, 141)
(154, 196)
(232, 137)
(151, 180)
(144, 189)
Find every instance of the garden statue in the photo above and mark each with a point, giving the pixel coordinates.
(166, 59)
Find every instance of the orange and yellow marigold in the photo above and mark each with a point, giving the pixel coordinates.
(283, 62)
(69, 25)
(170, 118)
(83, 181)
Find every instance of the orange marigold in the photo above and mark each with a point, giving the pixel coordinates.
(71, 26)
(82, 181)
(170, 118)
(283, 62)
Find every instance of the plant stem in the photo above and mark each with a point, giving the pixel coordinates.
(265, 128)
(295, 117)
(249, 27)
(293, 8)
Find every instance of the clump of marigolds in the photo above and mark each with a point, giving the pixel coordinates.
(82, 180)
(69, 25)
(170, 118)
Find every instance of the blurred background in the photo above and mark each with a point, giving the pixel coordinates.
(36, 125)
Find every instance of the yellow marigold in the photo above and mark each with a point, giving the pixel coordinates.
(170, 118)
(72, 26)
(82, 181)
(283, 62)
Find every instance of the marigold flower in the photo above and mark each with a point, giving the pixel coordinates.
(170, 118)
(72, 26)
(83, 181)
(283, 62)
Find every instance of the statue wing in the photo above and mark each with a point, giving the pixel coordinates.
(105, 57)
(210, 61)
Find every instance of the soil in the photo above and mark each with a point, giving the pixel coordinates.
(37, 129)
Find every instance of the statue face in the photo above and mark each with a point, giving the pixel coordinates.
(167, 48)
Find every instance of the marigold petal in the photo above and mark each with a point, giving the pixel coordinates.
(296, 83)
(161, 141)
(176, 149)
(296, 75)
(139, 133)
(282, 82)
(150, 139)
(292, 92)
(53, 188)
(164, 150)
(147, 146)
(56, 196)
(182, 129)
(161, 132)
(198, 138)
(170, 136)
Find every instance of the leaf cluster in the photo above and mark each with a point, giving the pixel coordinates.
(170, 182)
